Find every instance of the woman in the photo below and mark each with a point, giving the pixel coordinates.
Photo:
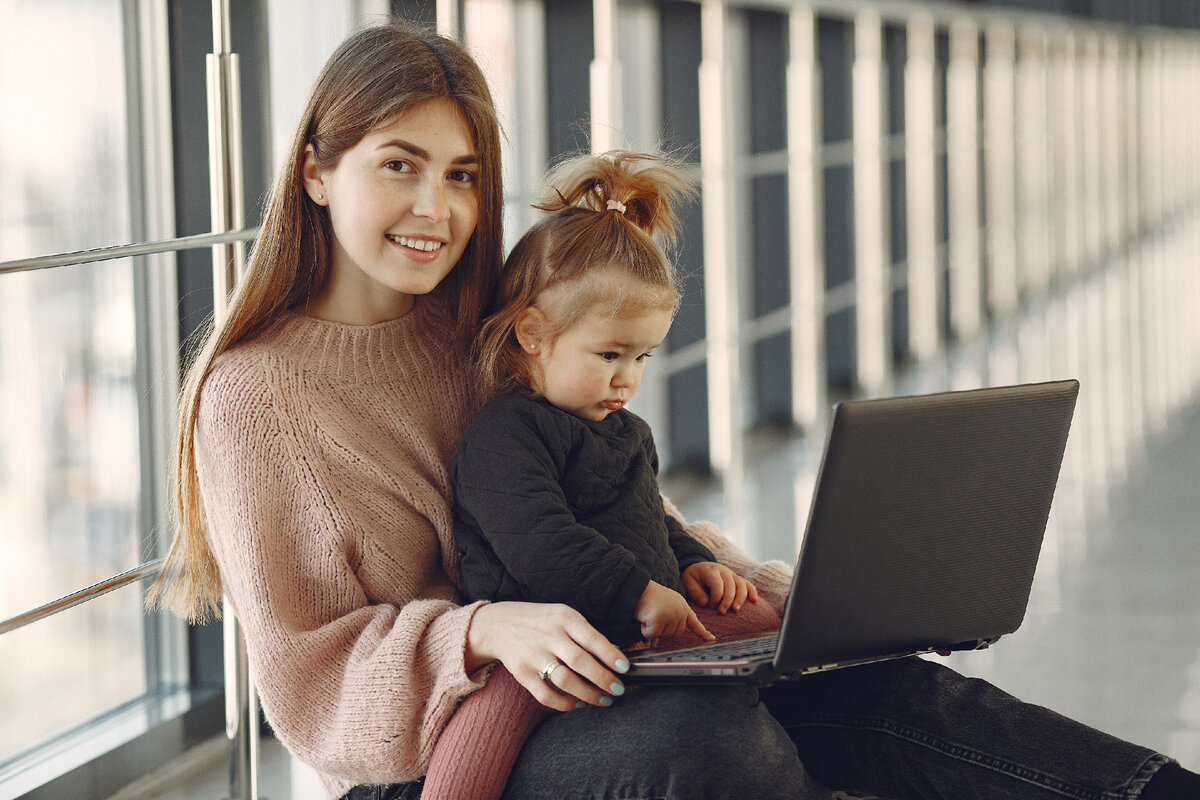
(316, 430)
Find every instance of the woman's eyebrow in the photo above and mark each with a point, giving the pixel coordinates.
(422, 153)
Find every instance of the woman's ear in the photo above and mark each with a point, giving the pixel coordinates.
(313, 182)
(530, 329)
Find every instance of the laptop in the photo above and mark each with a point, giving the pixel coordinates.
(924, 531)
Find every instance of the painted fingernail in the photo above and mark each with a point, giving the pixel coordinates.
(606, 701)
(580, 704)
(617, 688)
(622, 665)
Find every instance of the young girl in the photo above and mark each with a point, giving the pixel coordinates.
(555, 483)
(556, 494)
(316, 435)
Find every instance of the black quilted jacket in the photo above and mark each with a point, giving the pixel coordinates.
(550, 507)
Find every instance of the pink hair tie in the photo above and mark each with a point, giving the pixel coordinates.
(616, 205)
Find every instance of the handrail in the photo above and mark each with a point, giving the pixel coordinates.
(126, 251)
(146, 570)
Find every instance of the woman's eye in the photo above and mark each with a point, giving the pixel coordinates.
(397, 165)
(462, 176)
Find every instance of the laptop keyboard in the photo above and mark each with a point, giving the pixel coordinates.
(723, 651)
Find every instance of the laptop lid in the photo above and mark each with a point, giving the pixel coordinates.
(926, 522)
(924, 531)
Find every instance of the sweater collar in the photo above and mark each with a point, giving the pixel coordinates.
(357, 352)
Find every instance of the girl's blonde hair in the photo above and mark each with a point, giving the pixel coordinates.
(604, 212)
(374, 75)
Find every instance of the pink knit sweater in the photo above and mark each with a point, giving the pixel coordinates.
(323, 452)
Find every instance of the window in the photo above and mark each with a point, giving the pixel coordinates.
(70, 483)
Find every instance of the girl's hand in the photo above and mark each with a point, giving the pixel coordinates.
(713, 585)
(665, 612)
(528, 637)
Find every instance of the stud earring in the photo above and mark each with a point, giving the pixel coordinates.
(320, 197)
(533, 347)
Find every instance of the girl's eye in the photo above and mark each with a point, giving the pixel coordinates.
(644, 356)
(462, 176)
(397, 165)
(610, 356)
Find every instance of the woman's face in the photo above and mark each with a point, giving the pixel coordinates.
(403, 204)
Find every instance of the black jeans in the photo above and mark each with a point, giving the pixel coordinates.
(901, 729)
(395, 791)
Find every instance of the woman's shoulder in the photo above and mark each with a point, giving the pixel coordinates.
(244, 366)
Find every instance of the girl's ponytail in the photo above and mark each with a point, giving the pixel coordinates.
(605, 211)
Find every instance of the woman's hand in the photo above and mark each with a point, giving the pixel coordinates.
(713, 585)
(664, 612)
(528, 637)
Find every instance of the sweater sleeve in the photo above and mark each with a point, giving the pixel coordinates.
(507, 488)
(358, 689)
(773, 579)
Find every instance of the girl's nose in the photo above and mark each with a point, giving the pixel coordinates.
(623, 377)
(431, 201)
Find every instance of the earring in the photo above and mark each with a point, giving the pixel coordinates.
(320, 197)
(533, 347)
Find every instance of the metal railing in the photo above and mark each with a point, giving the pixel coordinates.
(148, 570)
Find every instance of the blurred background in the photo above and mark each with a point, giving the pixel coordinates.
(896, 197)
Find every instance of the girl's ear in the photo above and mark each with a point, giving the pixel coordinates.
(530, 329)
(313, 183)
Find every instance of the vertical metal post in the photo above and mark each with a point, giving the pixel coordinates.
(920, 151)
(806, 223)
(225, 156)
(721, 258)
(605, 77)
(872, 259)
(1034, 115)
(228, 214)
(962, 148)
(449, 19)
(1000, 162)
(241, 713)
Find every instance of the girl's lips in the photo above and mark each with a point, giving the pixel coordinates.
(613, 405)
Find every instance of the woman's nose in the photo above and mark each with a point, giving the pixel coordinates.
(431, 201)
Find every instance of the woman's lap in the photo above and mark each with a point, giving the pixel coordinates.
(663, 742)
(900, 729)
(908, 728)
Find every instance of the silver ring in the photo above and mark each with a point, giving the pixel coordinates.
(548, 670)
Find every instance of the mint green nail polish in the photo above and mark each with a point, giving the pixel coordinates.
(606, 701)
(580, 704)
(622, 665)
(617, 688)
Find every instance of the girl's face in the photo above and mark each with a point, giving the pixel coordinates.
(402, 206)
(595, 366)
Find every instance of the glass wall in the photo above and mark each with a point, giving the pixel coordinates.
(69, 440)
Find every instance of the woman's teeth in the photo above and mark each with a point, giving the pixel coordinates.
(425, 245)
